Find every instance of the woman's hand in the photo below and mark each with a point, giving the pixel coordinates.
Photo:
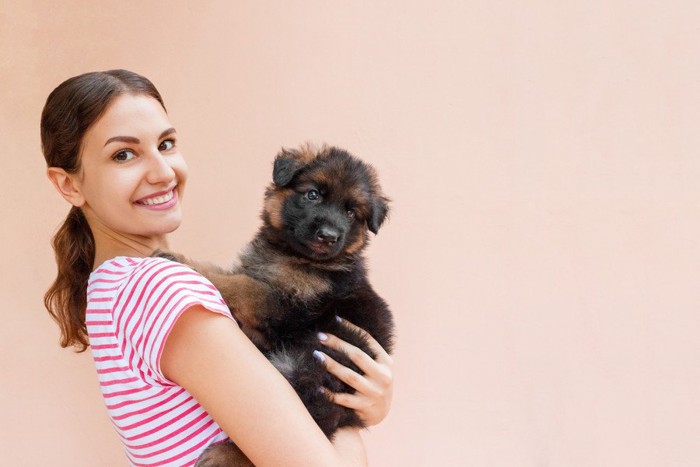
(372, 398)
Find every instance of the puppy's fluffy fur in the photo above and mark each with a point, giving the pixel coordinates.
(304, 267)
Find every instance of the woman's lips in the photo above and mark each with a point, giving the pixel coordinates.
(159, 202)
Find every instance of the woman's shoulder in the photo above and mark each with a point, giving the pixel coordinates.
(151, 286)
(146, 272)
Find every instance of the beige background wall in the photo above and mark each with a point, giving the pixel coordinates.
(542, 257)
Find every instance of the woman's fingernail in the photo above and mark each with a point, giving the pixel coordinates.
(338, 319)
(322, 336)
(319, 356)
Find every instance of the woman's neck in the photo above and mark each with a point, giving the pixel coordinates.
(109, 244)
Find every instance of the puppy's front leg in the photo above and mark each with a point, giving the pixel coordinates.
(250, 302)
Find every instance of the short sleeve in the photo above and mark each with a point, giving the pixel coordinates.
(148, 306)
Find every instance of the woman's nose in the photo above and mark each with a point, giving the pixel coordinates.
(159, 169)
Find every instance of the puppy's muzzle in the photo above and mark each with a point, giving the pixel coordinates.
(328, 235)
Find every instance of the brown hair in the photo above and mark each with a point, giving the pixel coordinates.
(70, 110)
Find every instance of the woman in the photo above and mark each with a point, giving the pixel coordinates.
(176, 372)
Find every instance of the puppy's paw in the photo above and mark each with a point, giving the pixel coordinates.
(178, 258)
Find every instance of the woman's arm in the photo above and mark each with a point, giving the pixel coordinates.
(209, 356)
(349, 445)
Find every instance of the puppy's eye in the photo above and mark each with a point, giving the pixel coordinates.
(312, 195)
(351, 214)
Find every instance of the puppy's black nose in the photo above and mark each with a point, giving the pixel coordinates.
(328, 235)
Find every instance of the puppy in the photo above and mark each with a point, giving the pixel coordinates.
(304, 267)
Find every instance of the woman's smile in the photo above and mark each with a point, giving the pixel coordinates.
(159, 201)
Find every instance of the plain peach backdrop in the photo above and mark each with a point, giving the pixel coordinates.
(542, 255)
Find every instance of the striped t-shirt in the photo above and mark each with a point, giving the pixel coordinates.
(132, 304)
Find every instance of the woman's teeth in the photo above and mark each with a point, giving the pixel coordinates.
(158, 199)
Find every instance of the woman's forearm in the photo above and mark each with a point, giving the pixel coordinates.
(350, 447)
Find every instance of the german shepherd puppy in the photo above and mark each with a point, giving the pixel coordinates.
(304, 267)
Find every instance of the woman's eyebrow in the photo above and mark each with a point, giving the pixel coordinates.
(124, 139)
(132, 140)
(166, 133)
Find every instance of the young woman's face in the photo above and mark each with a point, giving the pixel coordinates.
(132, 173)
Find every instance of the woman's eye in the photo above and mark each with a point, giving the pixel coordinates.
(167, 145)
(312, 195)
(124, 155)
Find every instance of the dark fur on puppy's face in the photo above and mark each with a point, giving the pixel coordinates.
(322, 203)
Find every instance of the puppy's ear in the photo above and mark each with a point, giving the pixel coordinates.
(287, 164)
(284, 171)
(380, 210)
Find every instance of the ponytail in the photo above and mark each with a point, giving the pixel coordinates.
(66, 299)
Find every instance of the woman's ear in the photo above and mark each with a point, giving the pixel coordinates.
(66, 185)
